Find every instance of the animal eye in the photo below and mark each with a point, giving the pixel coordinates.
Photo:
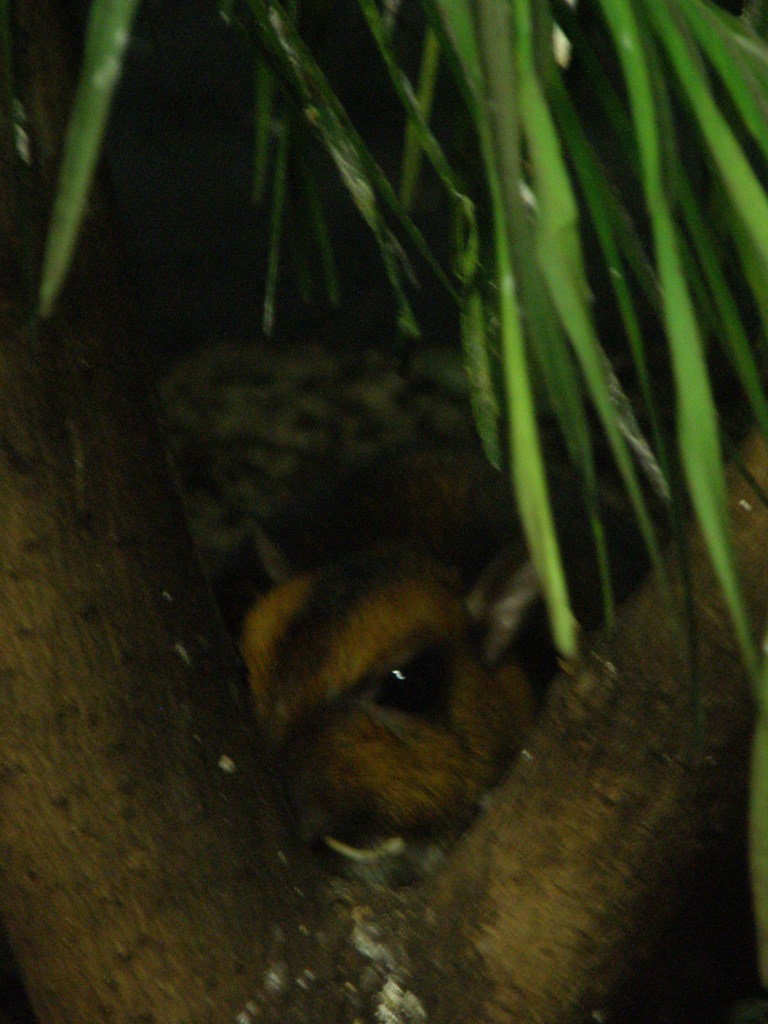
(419, 686)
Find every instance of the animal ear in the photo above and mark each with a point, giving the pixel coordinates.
(499, 600)
(272, 560)
(253, 568)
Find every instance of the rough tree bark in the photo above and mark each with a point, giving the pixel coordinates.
(140, 881)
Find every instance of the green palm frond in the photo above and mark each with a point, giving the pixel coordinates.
(106, 37)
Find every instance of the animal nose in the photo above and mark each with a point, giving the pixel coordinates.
(310, 813)
(311, 819)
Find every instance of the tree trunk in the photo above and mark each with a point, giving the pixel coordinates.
(140, 880)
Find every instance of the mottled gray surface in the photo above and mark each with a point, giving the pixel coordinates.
(251, 426)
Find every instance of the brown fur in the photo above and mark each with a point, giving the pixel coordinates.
(314, 646)
(352, 771)
(413, 563)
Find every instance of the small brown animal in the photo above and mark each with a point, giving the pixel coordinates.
(379, 666)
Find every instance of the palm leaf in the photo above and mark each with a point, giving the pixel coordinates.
(107, 34)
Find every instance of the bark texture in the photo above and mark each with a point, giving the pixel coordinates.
(603, 829)
(140, 881)
(117, 688)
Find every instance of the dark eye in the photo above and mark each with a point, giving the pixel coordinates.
(417, 687)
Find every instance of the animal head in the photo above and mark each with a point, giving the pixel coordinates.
(379, 678)
(370, 691)
(392, 655)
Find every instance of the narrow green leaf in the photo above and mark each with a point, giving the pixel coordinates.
(262, 128)
(107, 34)
(564, 391)
(730, 331)
(603, 100)
(451, 21)
(745, 191)
(488, 100)
(754, 268)
(429, 144)
(482, 394)
(616, 238)
(425, 91)
(558, 371)
(756, 15)
(500, 140)
(559, 255)
(740, 59)
(528, 467)
(359, 172)
(609, 221)
(739, 31)
(226, 8)
(319, 228)
(698, 439)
